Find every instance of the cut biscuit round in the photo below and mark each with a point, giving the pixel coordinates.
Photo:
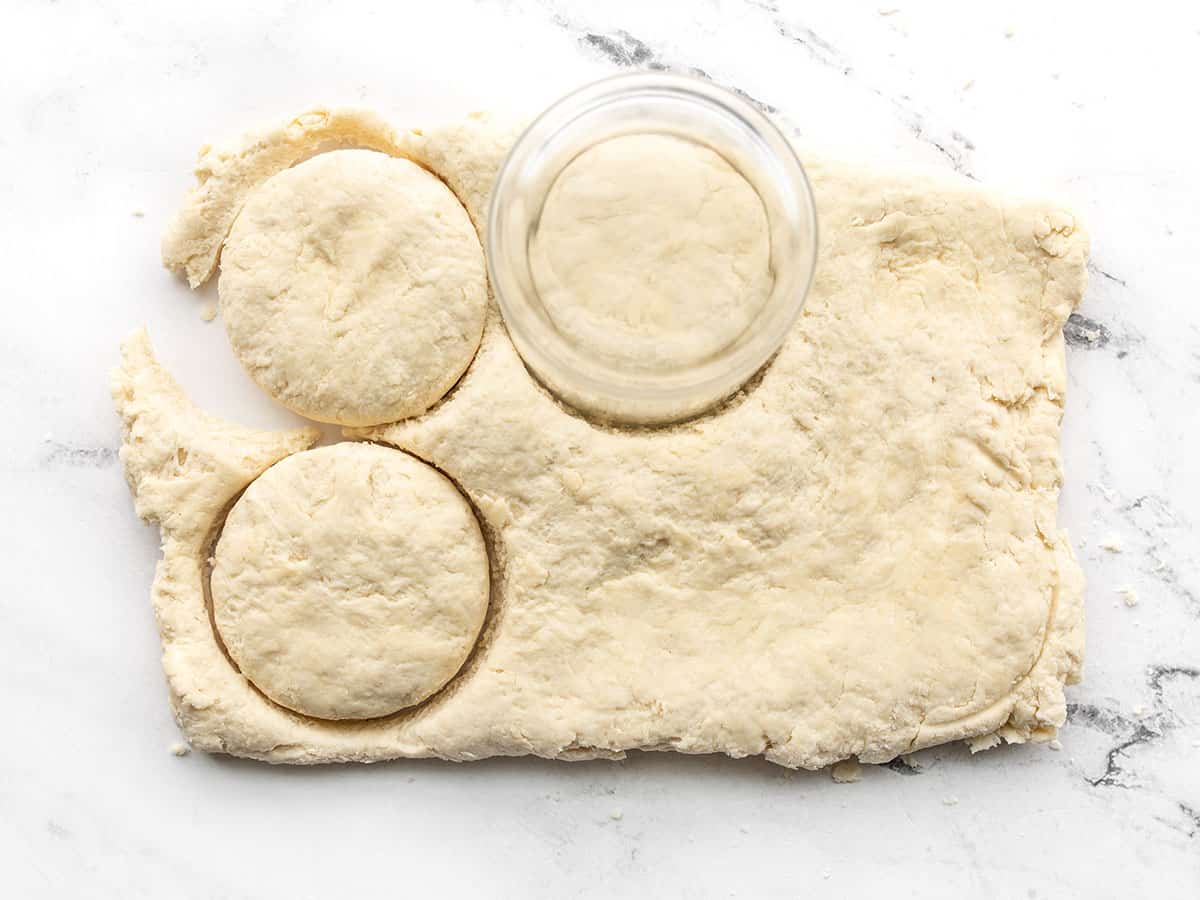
(353, 288)
(350, 581)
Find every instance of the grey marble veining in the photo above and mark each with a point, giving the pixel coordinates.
(57, 454)
(105, 107)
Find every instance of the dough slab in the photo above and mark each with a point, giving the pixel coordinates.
(856, 557)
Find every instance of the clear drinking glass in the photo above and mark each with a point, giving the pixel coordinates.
(649, 391)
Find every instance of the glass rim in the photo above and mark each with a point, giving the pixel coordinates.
(626, 393)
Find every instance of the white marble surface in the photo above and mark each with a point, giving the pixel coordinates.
(104, 106)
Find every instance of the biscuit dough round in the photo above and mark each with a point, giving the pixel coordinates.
(651, 249)
(350, 581)
(353, 288)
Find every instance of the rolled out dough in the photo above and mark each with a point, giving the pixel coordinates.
(857, 557)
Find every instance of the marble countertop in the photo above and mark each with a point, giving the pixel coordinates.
(105, 105)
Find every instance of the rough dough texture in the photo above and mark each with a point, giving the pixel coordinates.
(856, 558)
(651, 250)
(182, 464)
(350, 581)
(353, 288)
(227, 173)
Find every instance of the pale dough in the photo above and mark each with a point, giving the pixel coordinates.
(353, 288)
(858, 557)
(651, 250)
(182, 464)
(350, 581)
(226, 174)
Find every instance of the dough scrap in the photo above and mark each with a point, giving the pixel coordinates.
(353, 288)
(651, 250)
(183, 465)
(857, 558)
(350, 581)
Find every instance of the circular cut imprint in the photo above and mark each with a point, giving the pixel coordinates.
(350, 581)
(353, 288)
(651, 251)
